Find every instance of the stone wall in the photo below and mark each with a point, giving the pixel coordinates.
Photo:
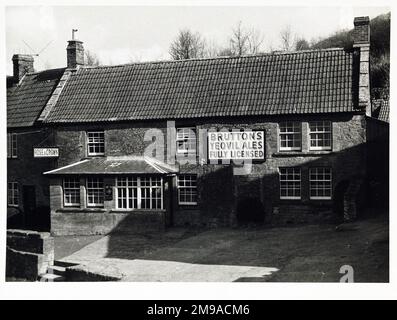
(29, 253)
(219, 190)
(28, 171)
(92, 222)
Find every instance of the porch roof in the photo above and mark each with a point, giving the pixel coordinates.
(115, 165)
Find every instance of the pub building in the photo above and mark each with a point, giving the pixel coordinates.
(276, 138)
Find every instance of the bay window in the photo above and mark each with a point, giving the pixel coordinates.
(71, 192)
(135, 192)
(95, 192)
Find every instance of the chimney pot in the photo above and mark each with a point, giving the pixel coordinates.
(23, 63)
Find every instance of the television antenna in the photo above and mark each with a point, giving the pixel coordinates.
(35, 53)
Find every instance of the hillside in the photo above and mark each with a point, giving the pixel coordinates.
(380, 48)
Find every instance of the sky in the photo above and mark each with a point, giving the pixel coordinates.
(124, 34)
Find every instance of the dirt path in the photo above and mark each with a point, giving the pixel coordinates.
(305, 253)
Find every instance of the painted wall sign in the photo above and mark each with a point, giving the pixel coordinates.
(45, 152)
(236, 145)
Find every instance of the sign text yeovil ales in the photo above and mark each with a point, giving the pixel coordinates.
(236, 145)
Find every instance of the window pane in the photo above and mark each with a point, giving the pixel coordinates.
(187, 189)
(320, 183)
(71, 189)
(95, 192)
(290, 135)
(290, 183)
(139, 192)
(320, 135)
(186, 140)
(96, 142)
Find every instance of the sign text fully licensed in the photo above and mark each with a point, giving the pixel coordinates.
(236, 145)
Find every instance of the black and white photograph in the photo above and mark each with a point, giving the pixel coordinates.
(197, 143)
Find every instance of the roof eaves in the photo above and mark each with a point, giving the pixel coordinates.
(66, 167)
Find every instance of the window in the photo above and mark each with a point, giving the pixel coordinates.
(290, 136)
(290, 183)
(139, 193)
(96, 143)
(95, 193)
(320, 183)
(187, 189)
(12, 151)
(186, 140)
(320, 135)
(13, 194)
(71, 192)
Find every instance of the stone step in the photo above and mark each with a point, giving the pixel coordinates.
(60, 271)
(47, 277)
(64, 264)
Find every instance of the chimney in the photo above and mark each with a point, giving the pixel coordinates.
(75, 53)
(23, 63)
(361, 41)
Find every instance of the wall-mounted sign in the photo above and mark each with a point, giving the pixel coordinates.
(236, 145)
(45, 152)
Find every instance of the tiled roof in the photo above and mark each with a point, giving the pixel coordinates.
(318, 81)
(26, 100)
(115, 165)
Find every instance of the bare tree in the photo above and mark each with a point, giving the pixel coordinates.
(287, 41)
(244, 41)
(187, 45)
(255, 41)
(91, 59)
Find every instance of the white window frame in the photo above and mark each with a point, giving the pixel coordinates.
(184, 137)
(323, 131)
(94, 143)
(97, 191)
(65, 202)
(311, 172)
(290, 181)
(13, 194)
(294, 133)
(12, 145)
(184, 187)
(139, 186)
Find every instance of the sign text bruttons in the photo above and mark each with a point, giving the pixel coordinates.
(236, 145)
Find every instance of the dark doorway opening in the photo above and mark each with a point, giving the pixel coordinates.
(36, 217)
(29, 205)
(339, 195)
(250, 210)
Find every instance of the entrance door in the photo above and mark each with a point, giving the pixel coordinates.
(29, 205)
